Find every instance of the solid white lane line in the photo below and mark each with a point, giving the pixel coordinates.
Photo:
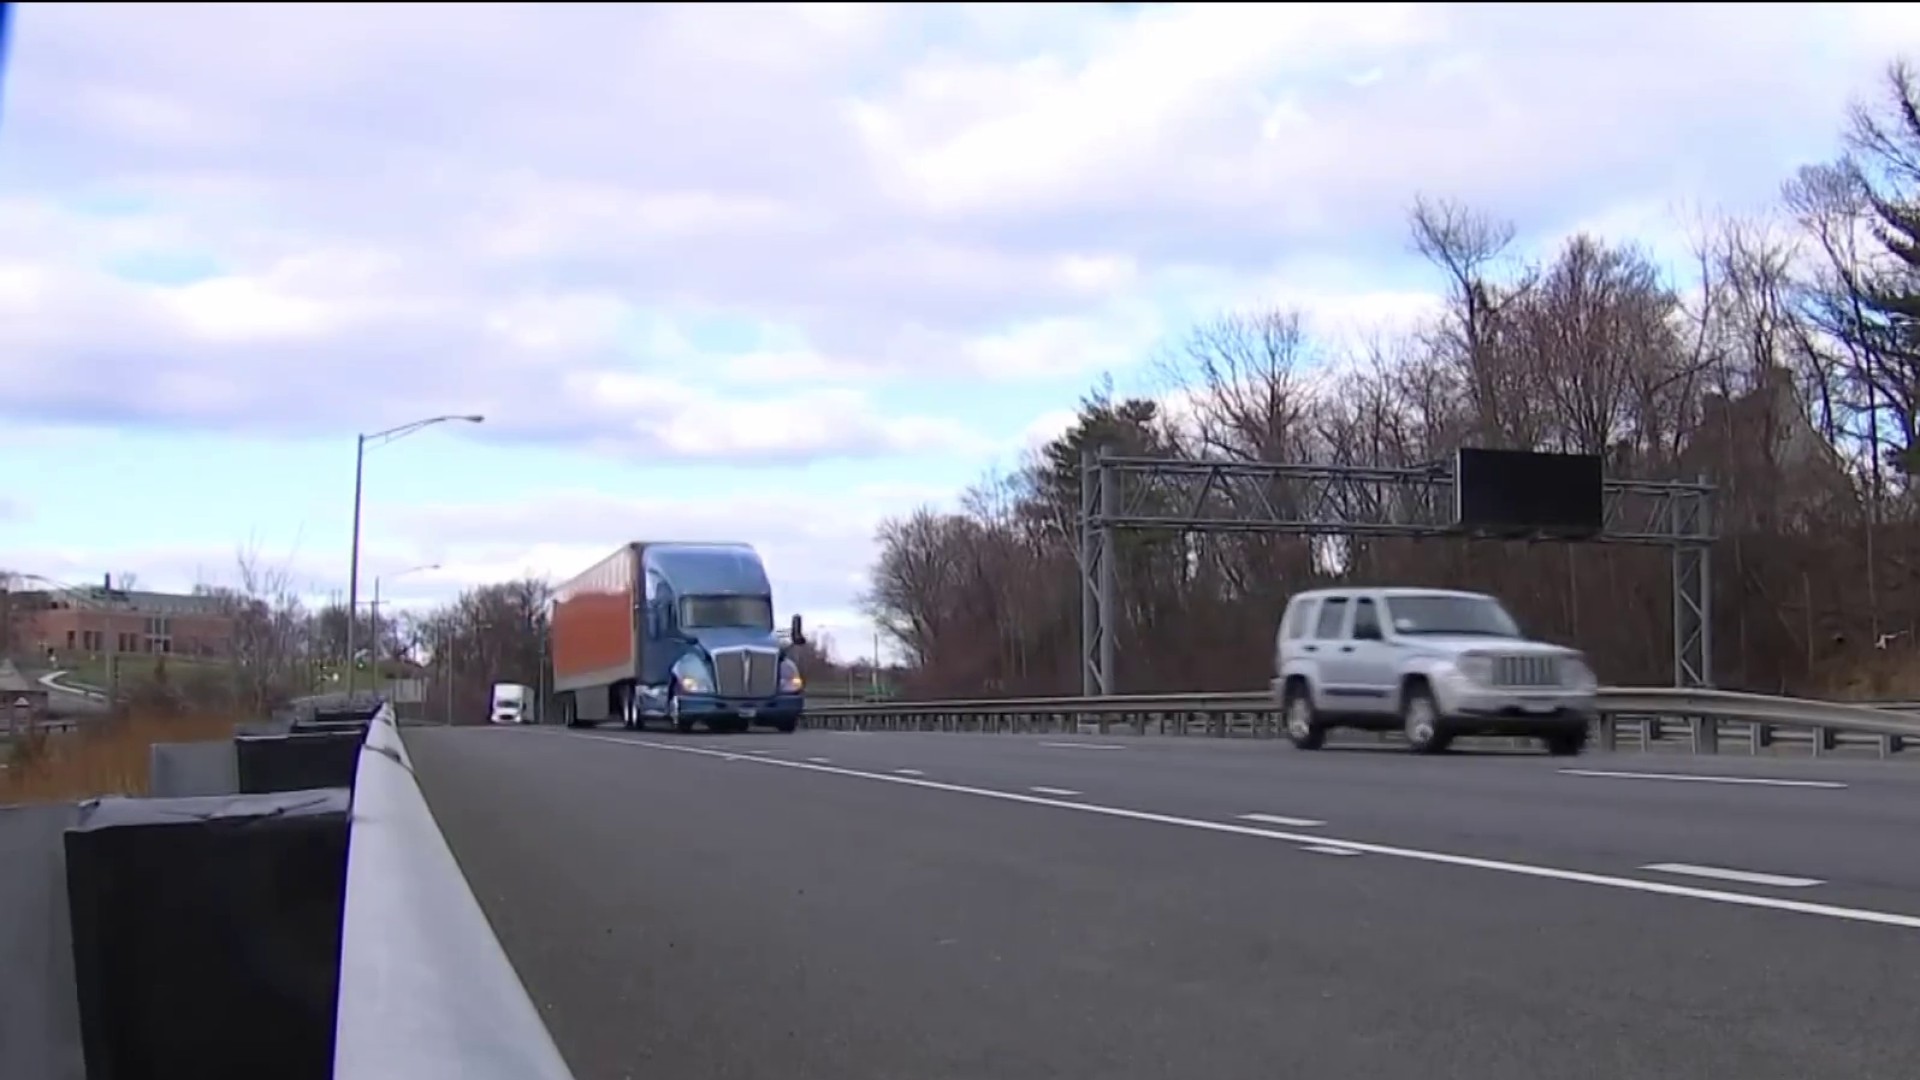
(1083, 746)
(909, 772)
(1329, 849)
(1689, 778)
(1283, 822)
(1060, 791)
(1548, 873)
(1745, 877)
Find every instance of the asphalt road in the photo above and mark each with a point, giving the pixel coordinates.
(925, 907)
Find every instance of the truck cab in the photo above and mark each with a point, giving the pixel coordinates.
(710, 653)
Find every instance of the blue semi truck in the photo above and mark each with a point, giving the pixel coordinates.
(675, 632)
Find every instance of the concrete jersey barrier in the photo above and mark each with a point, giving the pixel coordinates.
(426, 991)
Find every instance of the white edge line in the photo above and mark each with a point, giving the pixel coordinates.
(1581, 877)
(1329, 849)
(1056, 791)
(1283, 822)
(1756, 781)
(1748, 877)
(1083, 746)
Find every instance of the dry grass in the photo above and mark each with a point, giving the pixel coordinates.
(102, 757)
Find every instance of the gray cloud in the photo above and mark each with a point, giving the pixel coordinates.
(397, 182)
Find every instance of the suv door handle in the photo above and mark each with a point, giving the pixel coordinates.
(1346, 648)
(1310, 648)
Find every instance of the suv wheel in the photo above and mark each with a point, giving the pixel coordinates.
(1420, 718)
(1302, 724)
(1566, 744)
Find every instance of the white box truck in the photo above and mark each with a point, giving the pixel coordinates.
(512, 703)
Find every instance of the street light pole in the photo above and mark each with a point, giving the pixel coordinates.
(374, 648)
(359, 473)
(353, 573)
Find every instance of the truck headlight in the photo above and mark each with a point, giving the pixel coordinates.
(693, 676)
(790, 680)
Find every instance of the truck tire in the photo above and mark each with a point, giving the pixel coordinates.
(787, 725)
(681, 724)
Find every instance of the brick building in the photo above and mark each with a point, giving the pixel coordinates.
(80, 621)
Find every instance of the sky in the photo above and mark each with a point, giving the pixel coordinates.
(771, 274)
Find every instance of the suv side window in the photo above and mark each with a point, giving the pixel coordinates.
(1299, 619)
(1333, 617)
(1366, 617)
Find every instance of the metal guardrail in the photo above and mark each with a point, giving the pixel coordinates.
(1651, 714)
(426, 992)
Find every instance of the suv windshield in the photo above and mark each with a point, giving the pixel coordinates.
(712, 612)
(1450, 615)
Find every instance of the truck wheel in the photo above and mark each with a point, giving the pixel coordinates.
(786, 725)
(1303, 725)
(1420, 718)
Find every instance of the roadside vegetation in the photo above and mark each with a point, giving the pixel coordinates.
(1780, 363)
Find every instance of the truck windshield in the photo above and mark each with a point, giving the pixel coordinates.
(1451, 615)
(713, 612)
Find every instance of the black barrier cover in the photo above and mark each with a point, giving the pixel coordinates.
(298, 761)
(206, 934)
(1523, 493)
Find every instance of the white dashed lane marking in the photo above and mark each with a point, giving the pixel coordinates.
(908, 772)
(1744, 877)
(1083, 746)
(1283, 822)
(1065, 793)
(1329, 849)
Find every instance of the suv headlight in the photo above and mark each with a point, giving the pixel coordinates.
(1475, 668)
(790, 680)
(692, 675)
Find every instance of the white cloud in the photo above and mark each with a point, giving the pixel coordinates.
(759, 233)
(974, 191)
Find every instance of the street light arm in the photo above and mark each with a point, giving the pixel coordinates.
(401, 431)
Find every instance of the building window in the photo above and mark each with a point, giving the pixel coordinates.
(69, 639)
(157, 627)
(90, 640)
(128, 642)
(159, 645)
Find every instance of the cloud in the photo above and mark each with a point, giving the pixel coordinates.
(742, 234)
(475, 218)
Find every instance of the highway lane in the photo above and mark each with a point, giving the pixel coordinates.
(1607, 814)
(698, 914)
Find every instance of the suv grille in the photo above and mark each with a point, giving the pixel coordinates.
(1526, 671)
(745, 672)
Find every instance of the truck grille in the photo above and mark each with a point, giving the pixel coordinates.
(745, 672)
(1526, 671)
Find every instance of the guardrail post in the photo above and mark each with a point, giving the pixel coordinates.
(1706, 734)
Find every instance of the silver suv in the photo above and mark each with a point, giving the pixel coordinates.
(1432, 663)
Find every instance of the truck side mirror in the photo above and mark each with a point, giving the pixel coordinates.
(795, 634)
